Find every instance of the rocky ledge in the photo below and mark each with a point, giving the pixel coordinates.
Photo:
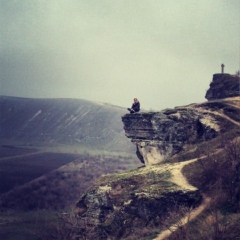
(160, 135)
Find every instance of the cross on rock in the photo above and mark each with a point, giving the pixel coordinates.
(222, 67)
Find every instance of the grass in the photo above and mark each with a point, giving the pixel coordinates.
(150, 181)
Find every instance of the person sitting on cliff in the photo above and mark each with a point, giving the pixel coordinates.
(135, 106)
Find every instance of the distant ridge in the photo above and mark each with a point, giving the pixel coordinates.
(53, 121)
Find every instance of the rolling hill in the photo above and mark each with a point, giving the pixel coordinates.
(62, 122)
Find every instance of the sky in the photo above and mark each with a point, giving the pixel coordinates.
(163, 52)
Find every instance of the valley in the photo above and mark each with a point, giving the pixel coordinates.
(45, 167)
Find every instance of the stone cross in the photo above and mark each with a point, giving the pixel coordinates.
(222, 67)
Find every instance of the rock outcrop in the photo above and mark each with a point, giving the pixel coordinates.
(124, 204)
(223, 86)
(160, 135)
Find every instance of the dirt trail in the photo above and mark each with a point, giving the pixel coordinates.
(235, 104)
(180, 180)
(177, 176)
(218, 114)
(189, 217)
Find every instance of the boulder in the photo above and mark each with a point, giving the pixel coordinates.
(223, 86)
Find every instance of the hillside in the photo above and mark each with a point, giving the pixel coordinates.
(72, 123)
(51, 151)
(190, 184)
(54, 181)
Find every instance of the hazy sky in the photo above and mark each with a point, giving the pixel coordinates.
(162, 51)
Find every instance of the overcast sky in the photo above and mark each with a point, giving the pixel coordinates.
(163, 52)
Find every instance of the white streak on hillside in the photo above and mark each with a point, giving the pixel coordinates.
(84, 114)
(35, 115)
(71, 120)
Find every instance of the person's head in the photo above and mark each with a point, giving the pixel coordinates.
(135, 100)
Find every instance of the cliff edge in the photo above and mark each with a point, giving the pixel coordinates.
(137, 204)
(160, 135)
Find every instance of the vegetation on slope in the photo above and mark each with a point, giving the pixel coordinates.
(63, 186)
(218, 176)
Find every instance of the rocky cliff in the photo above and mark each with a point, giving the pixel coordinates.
(133, 204)
(160, 135)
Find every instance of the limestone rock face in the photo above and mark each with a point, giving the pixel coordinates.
(160, 135)
(223, 86)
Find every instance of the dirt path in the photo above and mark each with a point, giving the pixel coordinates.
(177, 176)
(235, 104)
(218, 114)
(189, 217)
(180, 180)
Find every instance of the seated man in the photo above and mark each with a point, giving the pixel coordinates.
(135, 106)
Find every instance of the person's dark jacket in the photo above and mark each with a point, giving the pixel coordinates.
(136, 106)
